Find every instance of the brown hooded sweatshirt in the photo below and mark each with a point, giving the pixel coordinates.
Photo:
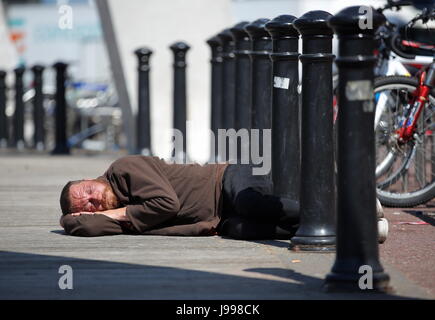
(161, 199)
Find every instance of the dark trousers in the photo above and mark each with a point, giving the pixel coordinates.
(250, 210)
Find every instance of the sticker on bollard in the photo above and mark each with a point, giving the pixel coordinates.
(280, 82)
(359, 90)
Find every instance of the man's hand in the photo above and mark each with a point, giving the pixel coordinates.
(116, 214)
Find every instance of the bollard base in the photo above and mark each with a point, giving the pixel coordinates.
(40, 146)
(59, 150)
(313, 244)
(145, 152)
(344, 282)
(20, 145)
(3, 143)
(312, 248)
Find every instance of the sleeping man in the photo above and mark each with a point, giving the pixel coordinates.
(147, 196)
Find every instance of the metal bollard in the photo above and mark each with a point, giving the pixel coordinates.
(61, 146)
(243, 95)
(285, 107)
(180, 49)
(261, 74)
(143, 139)
(38, 108)
(216, 91)
(357, 239)
(243, 86)
(228, 80)
(4, 127)
(317, 193)
(261, 88)
(228, 92)
(18, 127)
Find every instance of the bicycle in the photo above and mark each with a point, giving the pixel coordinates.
(404, 130)
(392, 56)
(396, 56)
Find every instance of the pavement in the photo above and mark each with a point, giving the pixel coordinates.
(410, 246)
(33, 247)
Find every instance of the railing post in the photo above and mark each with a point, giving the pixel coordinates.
(317, 193)
(261, 74)
(216, 92)
(285, 107)
(4, 126)
(61, 146)
(179, 50)
(242, 47)
(38, 108)
(243, 86)
(357, 236)
(228, 80)
(143, 121)
(18, 127)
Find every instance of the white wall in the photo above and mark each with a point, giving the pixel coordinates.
(45, 43)
(8, 55)
(157, 24)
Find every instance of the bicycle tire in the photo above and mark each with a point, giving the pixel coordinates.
(420, 196)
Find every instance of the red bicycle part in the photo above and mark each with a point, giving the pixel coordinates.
(407, 131)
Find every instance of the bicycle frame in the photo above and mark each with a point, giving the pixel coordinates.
(396, 65)
(418, 102)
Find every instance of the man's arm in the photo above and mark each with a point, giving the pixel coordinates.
(90, 225)
(119, 214)
(201, 228)
(152, 199)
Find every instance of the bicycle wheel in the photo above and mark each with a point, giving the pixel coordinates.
(405, 172)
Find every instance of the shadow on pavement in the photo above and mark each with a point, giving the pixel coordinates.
(316, 285)
(60, 231)
(35, 276)
(424, 216)
(275, 243)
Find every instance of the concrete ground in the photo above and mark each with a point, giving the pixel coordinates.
(33, 247)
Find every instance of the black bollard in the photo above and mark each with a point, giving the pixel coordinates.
(261, 87)
(228, 95)
(143, 139)
(180, 49)
(61, 146)
(216, 91)
(317, 192)
(285, 107)
(228, 80)
(18, 127)
(243, 86)
(357, 237)
(242, 48)
(4, 134)
(38, 108)
(261, 74)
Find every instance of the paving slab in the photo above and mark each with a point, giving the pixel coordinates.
(33, 247)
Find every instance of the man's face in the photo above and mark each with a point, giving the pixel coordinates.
(92, 196)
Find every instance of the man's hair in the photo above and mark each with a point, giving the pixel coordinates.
(65, 201)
